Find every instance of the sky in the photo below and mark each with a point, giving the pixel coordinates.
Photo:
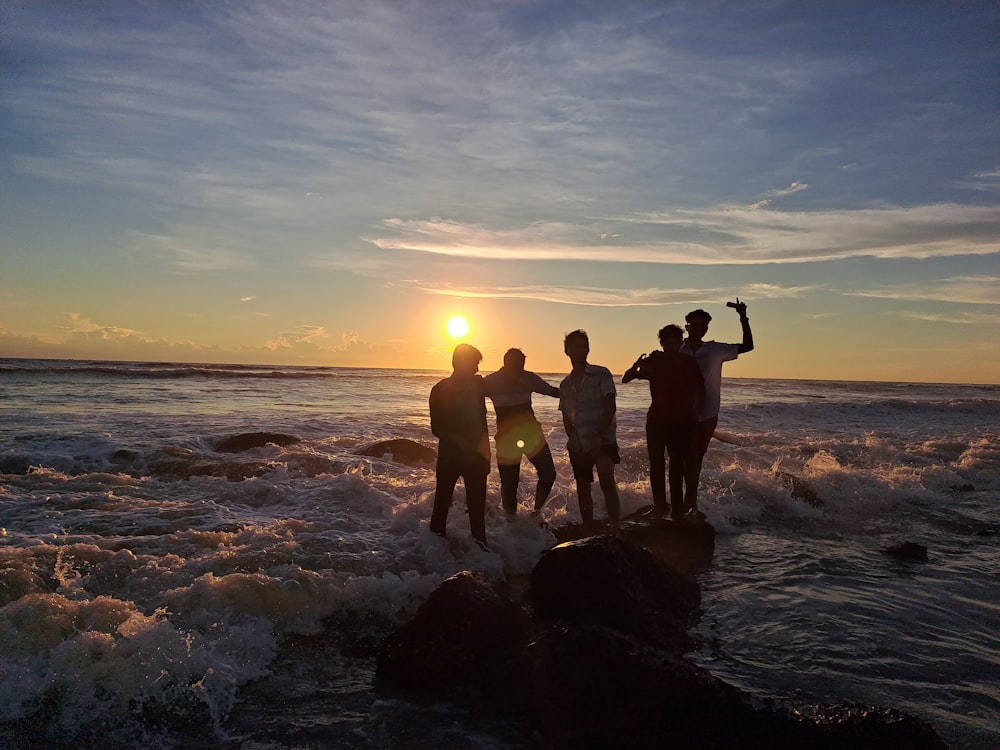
(328, 183)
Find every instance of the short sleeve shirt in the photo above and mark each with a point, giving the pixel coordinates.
(582, 403)
(710, 356)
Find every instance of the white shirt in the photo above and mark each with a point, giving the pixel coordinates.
(710, 356)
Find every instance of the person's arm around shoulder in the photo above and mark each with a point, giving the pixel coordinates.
(747, 343)
(538, 385)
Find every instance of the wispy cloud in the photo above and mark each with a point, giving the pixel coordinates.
(793, 188)
(78, 324)
(185, 257)
(985, 181)
(970, 290)
(737, 235)
(601, 296)
(957, 318)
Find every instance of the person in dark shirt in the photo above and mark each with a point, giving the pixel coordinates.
(677, 388)
(458, 420)
(518, 431)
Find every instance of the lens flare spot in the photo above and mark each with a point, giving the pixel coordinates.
(520, 443)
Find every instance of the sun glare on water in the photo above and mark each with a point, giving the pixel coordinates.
(457, 327)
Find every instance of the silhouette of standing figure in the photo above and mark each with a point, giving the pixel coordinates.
(458, 419)
(710, 356)
(587, 403)
(677, 389)
(518, 431)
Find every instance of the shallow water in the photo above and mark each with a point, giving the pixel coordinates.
(154, 588)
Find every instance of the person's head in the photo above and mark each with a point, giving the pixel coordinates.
(697, 323)
(577, 345)
(671, 337)
(465, 359)
(513, 360)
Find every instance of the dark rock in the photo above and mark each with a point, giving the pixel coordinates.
(858, 728)
(800, 488)
(14, 465)
(173, 463)
(402, 450)
(962, 487)
(124, 456)
(250, 440)
(688, 543)
(613, 582)
(907, 551)
(598, 675)
(466, 633)
(593, 687)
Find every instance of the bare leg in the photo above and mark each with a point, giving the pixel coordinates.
(692, 470)
(586, 501)
(606, 476)
(509, 479)
(546, 476)
(655, 446)
(692, 475)
(475, 500)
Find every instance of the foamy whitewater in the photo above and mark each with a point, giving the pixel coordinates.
(154, 590)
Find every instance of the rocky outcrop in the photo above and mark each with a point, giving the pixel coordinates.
(465, 633)
(400, 450)
(249, 440)
(595, 655)
(607, 581)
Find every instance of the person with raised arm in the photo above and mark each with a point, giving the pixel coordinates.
(677, 389)
(710, 355)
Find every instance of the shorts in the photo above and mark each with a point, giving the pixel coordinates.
(583, 463)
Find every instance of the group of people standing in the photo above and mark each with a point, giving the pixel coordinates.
(685, 380)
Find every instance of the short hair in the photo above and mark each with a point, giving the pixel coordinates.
(467, 353)
(670, 330)
(578, 334)
(514, 355)
(698, 314)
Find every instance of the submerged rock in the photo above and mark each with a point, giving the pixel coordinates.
(250, 440)
(800, 488)
(402, 450)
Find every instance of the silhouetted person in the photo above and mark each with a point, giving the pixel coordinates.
(710, 356)
(677, 389)
(518, 431)
(587, 403)
(458, 419)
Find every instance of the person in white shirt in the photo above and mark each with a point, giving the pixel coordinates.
(710, 356)
(587, 403)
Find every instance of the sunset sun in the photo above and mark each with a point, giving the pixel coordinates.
(457, 327)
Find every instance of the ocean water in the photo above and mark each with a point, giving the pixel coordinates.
(156, 590)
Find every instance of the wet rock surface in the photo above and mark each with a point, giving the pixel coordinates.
(595, 656)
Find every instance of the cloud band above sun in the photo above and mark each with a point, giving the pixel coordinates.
(733, 235)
